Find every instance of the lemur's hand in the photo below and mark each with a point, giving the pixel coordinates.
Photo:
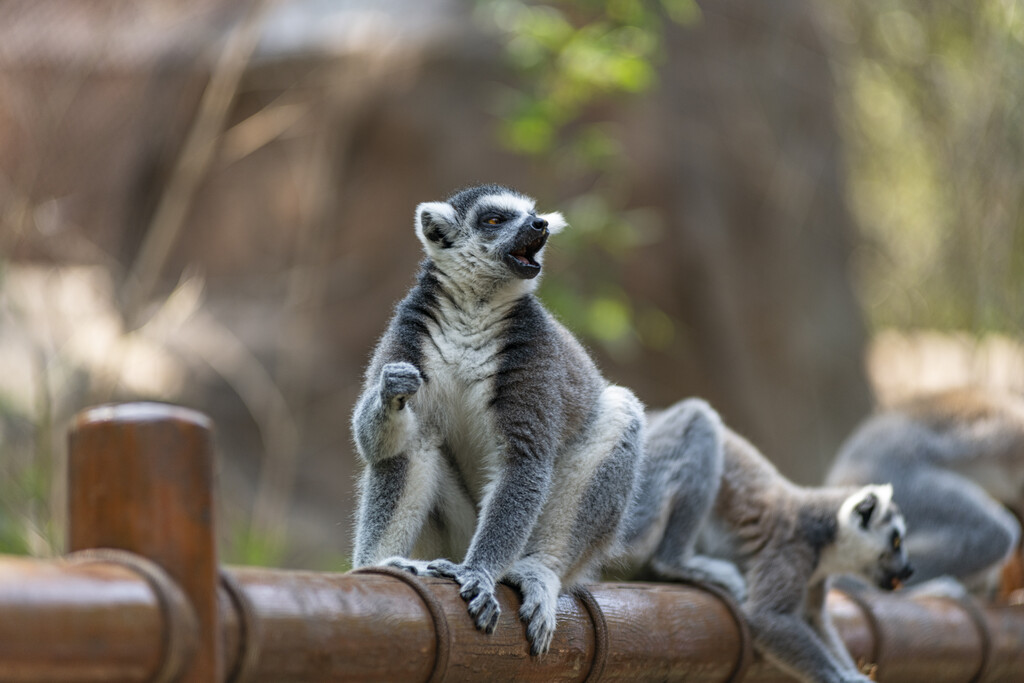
(477, 590)
(399, 381)
(418, 567)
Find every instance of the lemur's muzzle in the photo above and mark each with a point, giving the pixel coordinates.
(521, 258)
(894, 580)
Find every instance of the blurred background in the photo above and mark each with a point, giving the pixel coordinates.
(794, 209)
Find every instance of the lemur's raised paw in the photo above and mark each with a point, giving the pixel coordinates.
(399, 381)
(418, 567)
(477, 589)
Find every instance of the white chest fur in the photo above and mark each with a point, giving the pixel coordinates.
(461, 360)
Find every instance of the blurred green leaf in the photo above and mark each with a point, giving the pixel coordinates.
(609, 319)
(245, 547)
(656, 329)
(683, 12)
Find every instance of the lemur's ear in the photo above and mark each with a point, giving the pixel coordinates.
(436, 225)
(865, 508)
(556, 222)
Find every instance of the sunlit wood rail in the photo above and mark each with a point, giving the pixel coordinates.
(141, 597)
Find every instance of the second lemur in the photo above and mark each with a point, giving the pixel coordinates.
(956, 462)
(711, 508)
(492, 445)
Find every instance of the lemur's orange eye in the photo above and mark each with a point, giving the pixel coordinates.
(493, 220)
(896, 542)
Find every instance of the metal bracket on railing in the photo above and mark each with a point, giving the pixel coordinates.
(248, 630)
(442, 633)
(180, 624)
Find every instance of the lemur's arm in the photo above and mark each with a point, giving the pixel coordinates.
(506, 522)
(384, 425)
(382, 421)
(514, 502)
(817, 616)
(773, 610)
(509, 515)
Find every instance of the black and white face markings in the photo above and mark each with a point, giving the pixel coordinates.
(493, 230)
(870, 538)
(487, 432)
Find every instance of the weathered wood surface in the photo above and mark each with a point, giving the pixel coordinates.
(66, 621)
(142, 599)
(140, 479)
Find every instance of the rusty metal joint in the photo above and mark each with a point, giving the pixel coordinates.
(248, 627)
(181, 626)
(746, 654)
(442, 632)
(977, 617)
(600, 658)
(856, 596)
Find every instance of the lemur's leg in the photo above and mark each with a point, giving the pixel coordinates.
(776, 587)
(954, 527)
(684, 459)
(706, 570)
(399, 483)
(578, 528)
(450, 524)
(539, 587)
(509, 511)
(397, 495)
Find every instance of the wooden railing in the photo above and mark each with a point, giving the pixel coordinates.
(141, 597)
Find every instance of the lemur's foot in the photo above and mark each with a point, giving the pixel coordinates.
(399, 381)
(538, 614)
(539, 587)
(720, 573)
(706, 570)
(418, 567)
(477, 589)
(855, 678)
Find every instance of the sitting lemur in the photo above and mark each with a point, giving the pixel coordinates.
(492, 444)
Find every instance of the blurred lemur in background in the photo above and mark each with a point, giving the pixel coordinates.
(956, 462)
(492, 444)
(711, 508)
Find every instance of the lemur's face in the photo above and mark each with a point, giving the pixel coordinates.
(490, 231)
(872, 530)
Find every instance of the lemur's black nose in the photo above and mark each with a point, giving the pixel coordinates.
(539, 224)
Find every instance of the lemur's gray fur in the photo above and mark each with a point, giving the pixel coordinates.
(489, 437)
(711, 508)
(955, 459)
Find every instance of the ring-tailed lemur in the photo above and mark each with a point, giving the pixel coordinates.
(711, 508)
(954, 459)
(488, 434)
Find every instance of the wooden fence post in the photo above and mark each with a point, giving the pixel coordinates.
(140, 479)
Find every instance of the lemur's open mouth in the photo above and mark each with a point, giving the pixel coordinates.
(521, 257)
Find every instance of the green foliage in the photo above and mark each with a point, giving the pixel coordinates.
(933, 105)
(247, 546)
(572, 58)
(28, 521)
(26, 524)
(931, 96)
(568, 54)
